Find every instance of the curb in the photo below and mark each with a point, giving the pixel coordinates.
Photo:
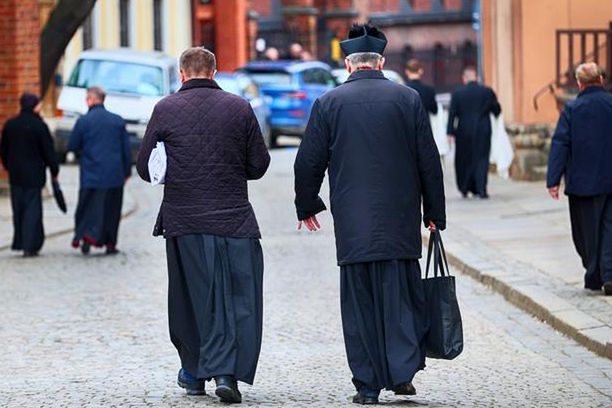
(65, 231)
(585, 336)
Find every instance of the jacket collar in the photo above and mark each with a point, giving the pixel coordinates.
(97, 106)
(591, 89)
(365, 74)
(199, 83)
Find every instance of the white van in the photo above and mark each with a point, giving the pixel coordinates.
(134, 81)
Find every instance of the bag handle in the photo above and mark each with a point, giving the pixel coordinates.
(440, 261)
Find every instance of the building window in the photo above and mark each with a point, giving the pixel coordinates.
(88, 33)
(157, 25)
(124, 23)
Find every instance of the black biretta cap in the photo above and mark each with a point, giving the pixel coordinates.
(364, 38)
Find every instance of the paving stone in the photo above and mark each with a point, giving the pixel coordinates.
(92, 331)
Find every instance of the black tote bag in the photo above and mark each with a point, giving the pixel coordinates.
(444, 339)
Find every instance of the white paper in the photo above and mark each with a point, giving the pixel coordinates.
(502, 152)
(438, 128)
(157, 164)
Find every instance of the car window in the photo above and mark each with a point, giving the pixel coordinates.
(318, 76)
(229, 84)
(263, 78)
(175, 83)
(121, 77)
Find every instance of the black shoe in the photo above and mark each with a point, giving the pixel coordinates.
(607, 288)
(30, 254)
(192, 385)
(483, 196)
(227, 390)
(111, 251)
(363, 399)
(85, 248)
(405, 389)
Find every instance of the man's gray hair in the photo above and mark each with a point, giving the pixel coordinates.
(588, 73)
(198, 62)
(97, 92)
(360, 59)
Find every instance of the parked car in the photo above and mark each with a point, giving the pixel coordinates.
(342, 75)
(134, 81)
(293, 86)
(243, 86)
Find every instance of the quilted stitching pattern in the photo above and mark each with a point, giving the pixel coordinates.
(214, 145)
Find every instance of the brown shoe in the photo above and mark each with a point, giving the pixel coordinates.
(405, 389)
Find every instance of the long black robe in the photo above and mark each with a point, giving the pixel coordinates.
(215, 304)
(469, 122)
(27, 208)
(591, 219)
(98, 215)
(384, 321)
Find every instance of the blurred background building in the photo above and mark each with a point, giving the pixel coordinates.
(526, 50)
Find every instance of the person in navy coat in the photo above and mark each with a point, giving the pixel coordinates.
(469, 125)
(581, 151)
(102, 143)
(374, 139)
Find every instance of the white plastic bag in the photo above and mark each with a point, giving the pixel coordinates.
(438, 128)
(502, 153)
(157, 164)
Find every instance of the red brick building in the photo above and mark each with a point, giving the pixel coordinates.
(438, 32)
(19, 55)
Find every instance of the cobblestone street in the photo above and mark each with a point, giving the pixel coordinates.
(92, 331)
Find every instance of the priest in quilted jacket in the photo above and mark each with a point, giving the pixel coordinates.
(374, 139)
(215, 263)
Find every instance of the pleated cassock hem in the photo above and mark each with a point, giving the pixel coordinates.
(215, 304)
(384, 321)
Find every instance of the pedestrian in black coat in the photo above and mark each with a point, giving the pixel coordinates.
(101, 139)
(414, 73)
(26, 149)
(215, 263)
(373, 138)
(581, 150)
(469, 124)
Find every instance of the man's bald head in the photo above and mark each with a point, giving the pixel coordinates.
(588, 74)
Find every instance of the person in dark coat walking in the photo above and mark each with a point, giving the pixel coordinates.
(26, 149)
(581, 151)
(101, 140)
(374, 139)
(414, 73)
(469, 125)
(215, 263)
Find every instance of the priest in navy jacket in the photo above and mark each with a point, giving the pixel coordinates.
(102, 143)
(581, 152)
(374, 139)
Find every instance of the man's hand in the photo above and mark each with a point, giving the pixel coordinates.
(554, 192)
(432, 227)
(451, 139)
(312, 224)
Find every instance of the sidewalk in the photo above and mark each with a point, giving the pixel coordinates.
(55, 222)
(519, 243)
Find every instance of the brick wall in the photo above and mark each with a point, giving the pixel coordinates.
(421, 5)
(379, 6)
(19, 54)
(263, 7)
(452, 4)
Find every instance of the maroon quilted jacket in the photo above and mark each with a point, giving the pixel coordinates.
(214, 145)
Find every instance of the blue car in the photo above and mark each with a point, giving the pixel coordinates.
(243, 86)
(293, 87)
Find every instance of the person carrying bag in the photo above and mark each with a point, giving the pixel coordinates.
(445, 337)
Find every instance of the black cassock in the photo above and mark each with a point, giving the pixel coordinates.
(469, 122)
(215, 304)
(98, 215)
(591, 219)
(374, 139)
(29, 233)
